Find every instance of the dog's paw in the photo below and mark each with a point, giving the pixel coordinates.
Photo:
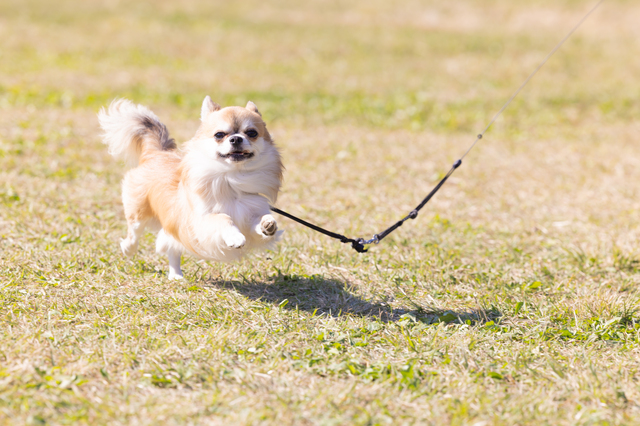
(268, 226)
(175, 275)
(233, 238)
(128, 247)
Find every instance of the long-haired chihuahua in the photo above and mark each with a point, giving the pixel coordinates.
(210, 198)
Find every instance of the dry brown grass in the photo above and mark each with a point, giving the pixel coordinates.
(512, 299)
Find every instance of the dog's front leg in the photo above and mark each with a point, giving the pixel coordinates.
(266, 226)
(175, 272)
(166, 244)
(222, 225)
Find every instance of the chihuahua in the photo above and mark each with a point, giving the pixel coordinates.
(210, 198)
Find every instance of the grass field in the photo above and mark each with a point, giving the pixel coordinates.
(512, 299)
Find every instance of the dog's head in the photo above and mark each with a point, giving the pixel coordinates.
(234, 142)
(232, 135)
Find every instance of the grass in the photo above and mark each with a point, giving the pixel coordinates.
(512, 299)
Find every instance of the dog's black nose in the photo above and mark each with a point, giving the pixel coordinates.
(235, 140)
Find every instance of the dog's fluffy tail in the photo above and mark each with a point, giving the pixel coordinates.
(130, 130)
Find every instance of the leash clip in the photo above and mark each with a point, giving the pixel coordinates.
(374, 240)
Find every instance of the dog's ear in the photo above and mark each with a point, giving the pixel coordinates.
(208, 106)
(253, 108)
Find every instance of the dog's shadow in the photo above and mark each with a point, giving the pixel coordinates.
(326, 296)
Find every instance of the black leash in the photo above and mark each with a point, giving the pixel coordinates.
(358, 244)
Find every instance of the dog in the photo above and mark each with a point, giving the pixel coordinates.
(212, 197)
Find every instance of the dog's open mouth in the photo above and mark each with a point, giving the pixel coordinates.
(237, 156)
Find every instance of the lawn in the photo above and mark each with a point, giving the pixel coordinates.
(512, 299)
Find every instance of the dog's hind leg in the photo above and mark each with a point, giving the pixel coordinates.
(135, 230)
(136, 209)
(166, 244)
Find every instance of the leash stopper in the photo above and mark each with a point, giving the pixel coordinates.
(358, 246)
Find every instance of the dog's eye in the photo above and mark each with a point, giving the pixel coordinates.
(219, 135)
(251, 133)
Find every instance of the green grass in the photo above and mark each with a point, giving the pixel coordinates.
(512, 299)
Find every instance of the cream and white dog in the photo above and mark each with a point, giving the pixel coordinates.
(211, 198)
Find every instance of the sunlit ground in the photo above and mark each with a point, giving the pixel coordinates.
(511, 299)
